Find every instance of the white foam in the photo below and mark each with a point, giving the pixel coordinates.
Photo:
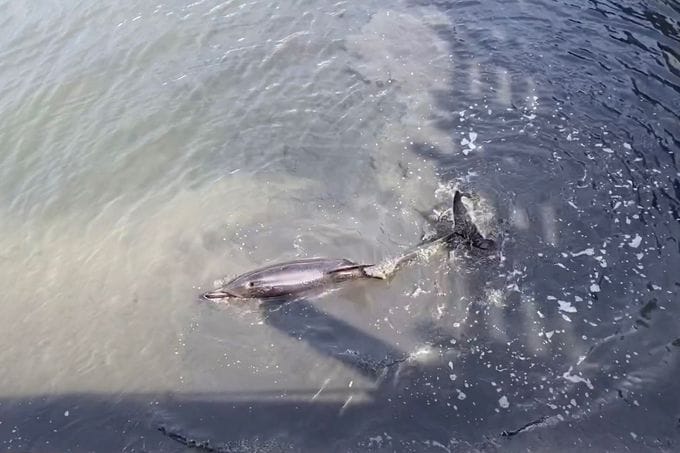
(635, 243)
(576, 379)
(589, 252)
(469, 142)
(503, 402)
(566, 307)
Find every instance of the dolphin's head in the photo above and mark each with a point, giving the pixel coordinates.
(242, 287)
(234, 289)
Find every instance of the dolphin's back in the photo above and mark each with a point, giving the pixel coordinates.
(293, 277)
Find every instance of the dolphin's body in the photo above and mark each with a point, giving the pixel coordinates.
(293, 278)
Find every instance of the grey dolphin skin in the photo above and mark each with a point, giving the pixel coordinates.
(294, 278)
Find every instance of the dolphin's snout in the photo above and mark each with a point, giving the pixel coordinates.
(217, 294)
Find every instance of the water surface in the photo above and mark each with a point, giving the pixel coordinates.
(148, 151)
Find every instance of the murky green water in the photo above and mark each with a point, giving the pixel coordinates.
(150, 151)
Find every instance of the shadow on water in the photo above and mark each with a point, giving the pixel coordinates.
(408, 393)
(302, 320)
(417, 402)
(603, 136)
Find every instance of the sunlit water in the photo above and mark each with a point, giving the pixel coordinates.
(148, 151)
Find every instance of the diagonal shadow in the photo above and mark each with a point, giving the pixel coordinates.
(331, 336)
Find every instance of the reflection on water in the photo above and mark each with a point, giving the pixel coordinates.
(150, 150)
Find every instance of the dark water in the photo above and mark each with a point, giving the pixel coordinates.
(563, 118)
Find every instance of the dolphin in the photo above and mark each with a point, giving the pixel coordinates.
(294, 278)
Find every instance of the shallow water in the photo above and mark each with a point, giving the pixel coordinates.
(151, 150)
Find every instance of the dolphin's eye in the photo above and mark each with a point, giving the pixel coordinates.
(251, 284)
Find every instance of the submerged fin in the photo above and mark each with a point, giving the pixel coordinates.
(464, 228)
(351, 271)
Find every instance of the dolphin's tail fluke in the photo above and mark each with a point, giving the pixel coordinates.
(464, 228)
(464, 232)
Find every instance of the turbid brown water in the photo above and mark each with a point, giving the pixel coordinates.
(147, 149)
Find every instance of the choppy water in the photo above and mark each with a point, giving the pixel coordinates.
(150, 150)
